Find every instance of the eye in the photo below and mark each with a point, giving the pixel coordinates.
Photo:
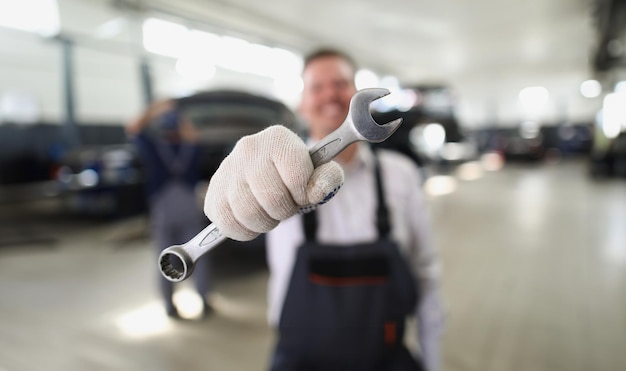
(315, 88)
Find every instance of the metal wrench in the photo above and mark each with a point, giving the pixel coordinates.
(358, 126)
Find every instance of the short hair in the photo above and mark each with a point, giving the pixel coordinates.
(326, 53)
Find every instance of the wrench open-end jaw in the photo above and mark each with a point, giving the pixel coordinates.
(177, 262)
(359, 125)
(362, 119)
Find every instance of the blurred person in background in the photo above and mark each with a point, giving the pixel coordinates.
(345, 276)
(167, 144)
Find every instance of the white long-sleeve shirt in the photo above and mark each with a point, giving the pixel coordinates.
(350, 218)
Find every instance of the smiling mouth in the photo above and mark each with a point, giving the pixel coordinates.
(333, 110)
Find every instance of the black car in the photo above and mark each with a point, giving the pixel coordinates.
(107, 180)
(223, 117)
(433, 107)
(515, 144)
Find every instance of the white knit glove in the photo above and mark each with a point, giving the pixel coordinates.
(268, 177)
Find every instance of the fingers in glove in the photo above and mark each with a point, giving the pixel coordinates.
(292, 162)
(217, 208)
(324, 183)
(272, 194)
(226, 221)
(248, 211)
(266, 178)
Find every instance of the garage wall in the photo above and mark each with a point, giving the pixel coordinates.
(168, 83)
(108, 86)
(30, 73)
(489, 100)
(107, 77)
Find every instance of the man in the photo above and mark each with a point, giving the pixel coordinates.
(167, 144)
(342, 279)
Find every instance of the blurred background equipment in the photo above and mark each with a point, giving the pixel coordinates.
(431, 134)
(103, 176)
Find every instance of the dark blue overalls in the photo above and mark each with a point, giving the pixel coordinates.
(346, 306)
(175, 215)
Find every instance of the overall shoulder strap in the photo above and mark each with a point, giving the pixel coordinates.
(382, 212)
(309, 220)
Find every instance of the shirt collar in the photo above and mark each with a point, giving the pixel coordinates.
(363, 159)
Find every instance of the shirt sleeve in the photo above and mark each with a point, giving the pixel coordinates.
(281, 249)
(427, 268)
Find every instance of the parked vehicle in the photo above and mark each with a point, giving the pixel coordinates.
(223, 117)
(609, 159)
(108, 180)
(514, 143)
(34, 157)
(430, 133)
(531, 142)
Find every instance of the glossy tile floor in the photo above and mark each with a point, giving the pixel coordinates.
(535, 279)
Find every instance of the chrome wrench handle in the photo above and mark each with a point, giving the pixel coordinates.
(332, 144)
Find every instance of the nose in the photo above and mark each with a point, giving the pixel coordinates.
(331, 93)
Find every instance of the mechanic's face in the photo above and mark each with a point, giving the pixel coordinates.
(328, 88)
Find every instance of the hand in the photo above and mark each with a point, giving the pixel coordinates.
(159, 108)
(267, 178)
(188, 131)
(155, 110)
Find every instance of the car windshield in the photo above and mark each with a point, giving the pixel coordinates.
(228, 121)
(204, 115)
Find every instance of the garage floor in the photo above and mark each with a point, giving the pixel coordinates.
(535, 279)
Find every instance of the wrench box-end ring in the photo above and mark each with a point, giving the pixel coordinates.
(176, 264)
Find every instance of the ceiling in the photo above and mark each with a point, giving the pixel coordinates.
(417, 40)
(486, 49)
